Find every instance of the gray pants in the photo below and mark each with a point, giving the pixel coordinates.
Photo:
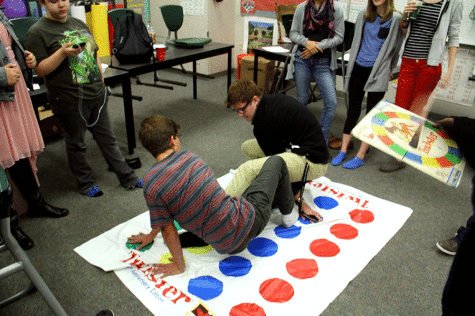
(74, 125)
(271, 188)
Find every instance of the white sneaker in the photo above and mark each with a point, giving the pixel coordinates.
(290, 219)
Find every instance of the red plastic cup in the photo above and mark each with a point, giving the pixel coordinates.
(160, 52)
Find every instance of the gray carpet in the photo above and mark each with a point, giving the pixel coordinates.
(405, 278)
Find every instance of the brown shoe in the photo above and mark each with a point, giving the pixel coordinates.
(336, 144)
(332, 138)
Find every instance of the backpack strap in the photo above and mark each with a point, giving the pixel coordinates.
(139, 25)
(122, 30)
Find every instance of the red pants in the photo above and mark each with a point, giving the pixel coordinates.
(416, 82)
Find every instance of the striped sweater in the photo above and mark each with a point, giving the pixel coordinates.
(182, 187)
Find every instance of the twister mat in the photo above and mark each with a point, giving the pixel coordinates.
(282, 272)
(390, 129)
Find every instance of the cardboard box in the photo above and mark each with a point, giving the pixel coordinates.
(49, 125)
(265, 72)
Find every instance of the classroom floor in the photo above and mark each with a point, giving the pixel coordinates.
(406, 278)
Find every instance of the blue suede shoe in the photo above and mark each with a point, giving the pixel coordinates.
(354, 163)
(339, 159)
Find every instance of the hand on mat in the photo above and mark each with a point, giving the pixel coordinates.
(143, 239)
(166, 269)
(310, 214)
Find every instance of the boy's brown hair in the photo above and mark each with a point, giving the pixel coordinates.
(242, 91)
(155, 134)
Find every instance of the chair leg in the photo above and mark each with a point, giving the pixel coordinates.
(23, 263)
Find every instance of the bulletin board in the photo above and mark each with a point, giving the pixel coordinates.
(265, 8)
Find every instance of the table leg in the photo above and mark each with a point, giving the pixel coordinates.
(195, 90)
(255, 66)
(229, 67)
(129, 114)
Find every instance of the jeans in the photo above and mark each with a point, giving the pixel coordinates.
(319, 68)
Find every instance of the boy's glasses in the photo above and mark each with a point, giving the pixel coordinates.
(241, 110)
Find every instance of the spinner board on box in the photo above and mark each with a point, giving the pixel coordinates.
(390, 129)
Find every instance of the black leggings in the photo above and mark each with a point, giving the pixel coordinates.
(356, 93)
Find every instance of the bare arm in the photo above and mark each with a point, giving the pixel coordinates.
(452, 55)
(172, 240)
(99, 64)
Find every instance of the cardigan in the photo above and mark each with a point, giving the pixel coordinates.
(297, 37)
(387, 58)
(448, 31)
(7, 93)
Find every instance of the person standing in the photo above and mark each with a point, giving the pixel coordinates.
(67, 58)
(374, 54)
(436, 26)
(20, 135)
(317, 29)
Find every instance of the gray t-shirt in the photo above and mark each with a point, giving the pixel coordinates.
(76, 77)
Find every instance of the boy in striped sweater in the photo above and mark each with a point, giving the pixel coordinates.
(181, 187)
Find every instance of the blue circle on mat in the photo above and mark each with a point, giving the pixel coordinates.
(205, 287)
(262, 247)
(325, 202)
(235, 266)
(304, 221)
(288, 233)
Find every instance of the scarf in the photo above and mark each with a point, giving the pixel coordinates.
(323, 18)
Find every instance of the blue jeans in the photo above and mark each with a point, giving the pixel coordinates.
(319, 68)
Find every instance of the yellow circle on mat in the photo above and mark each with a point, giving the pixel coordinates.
(165, 259)
(199, 250)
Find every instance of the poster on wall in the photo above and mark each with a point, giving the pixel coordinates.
(461, 90)
(260, 34)
(265, 8)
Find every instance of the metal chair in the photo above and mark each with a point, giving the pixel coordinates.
(22, 263)
(21, 26)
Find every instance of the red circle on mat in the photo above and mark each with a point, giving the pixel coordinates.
(362, 216)
(276, 290)
(324, 248)
(344, 231)
(247, 309)
(302, 268)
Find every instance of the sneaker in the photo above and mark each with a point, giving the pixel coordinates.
(94, 192)
(448, 246)
(392, 165)
(105, 312)
(290, 219)
(139, 184)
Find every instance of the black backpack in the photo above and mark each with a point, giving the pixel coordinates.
(132, 44)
